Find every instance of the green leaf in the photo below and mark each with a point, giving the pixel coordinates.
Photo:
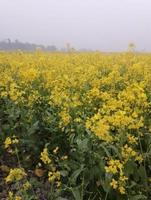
(83, 144)
(138, 197)
(75, 175)
(142, 174)
(115, 150)
(106, 150)
(106, 183)
(76, 193)
(64, 173)
(61, 198)
(33, 128)
(130, 167)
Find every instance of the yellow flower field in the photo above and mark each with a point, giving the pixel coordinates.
(75, 126)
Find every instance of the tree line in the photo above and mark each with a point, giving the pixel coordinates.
(8, 45)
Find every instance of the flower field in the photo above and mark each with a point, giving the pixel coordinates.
(75, 126)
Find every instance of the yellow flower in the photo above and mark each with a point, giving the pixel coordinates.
(132, 139)
(123, 178)
(15, 174)
(26, 185)
(65, 117)
(7, 142)
(114, 183)
(55, 151)
(15, 141)
(114, 166)
(122, 190)
(139, 158)
(111, 169)
(99, 127)
(10, 196)
(18, 198)
(128, 152)
(45, 157)
(77, 119)
(64, 157)
(52, 176)
(58, 183)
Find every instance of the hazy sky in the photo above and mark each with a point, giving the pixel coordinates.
(96, 24)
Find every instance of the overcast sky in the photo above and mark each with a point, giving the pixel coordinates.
(96, 24)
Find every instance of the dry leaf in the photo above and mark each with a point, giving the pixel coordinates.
(39, 172)
(4, 168)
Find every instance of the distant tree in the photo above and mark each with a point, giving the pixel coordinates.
(68, 47)
(51, 48)
(9, 40)
(8, 45)
(131, 47)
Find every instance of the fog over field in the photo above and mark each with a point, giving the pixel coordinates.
(107, 25)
